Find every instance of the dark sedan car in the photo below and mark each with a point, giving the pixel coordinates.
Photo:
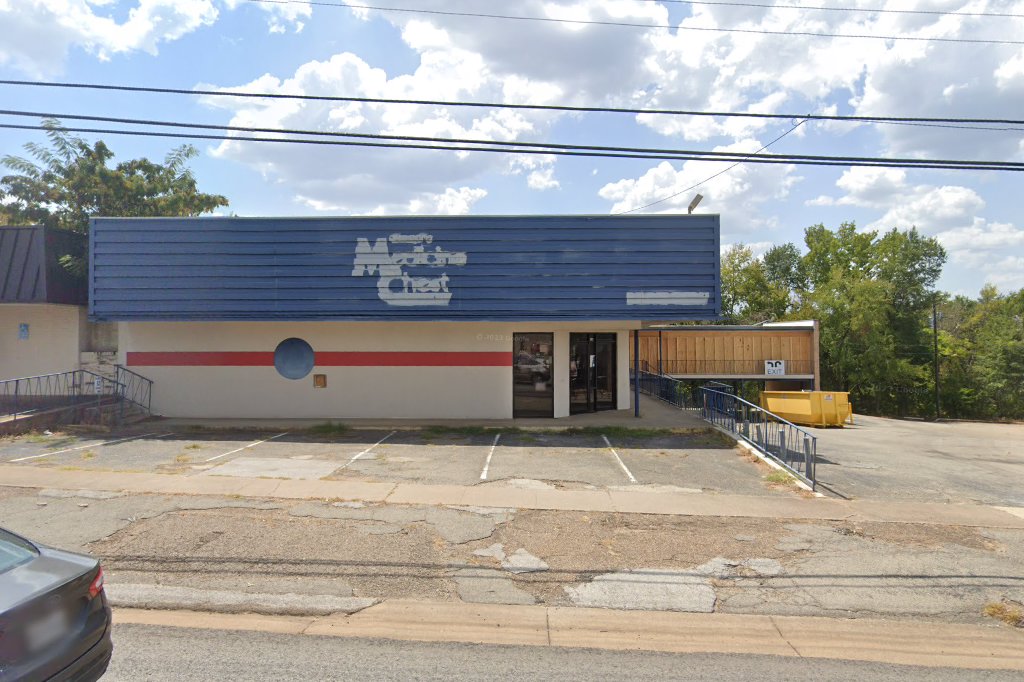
(54, 618)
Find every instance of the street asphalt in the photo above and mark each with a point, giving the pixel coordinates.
(153, 653)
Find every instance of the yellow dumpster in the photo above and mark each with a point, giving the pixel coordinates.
(812, 408)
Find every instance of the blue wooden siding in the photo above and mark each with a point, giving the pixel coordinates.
(512, 268)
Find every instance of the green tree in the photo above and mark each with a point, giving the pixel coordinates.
(70, 181)
(749, 295)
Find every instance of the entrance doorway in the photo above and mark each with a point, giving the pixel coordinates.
(592, 375)
(533, 392)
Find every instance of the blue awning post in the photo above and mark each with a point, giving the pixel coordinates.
(636, 373)
(661, 367)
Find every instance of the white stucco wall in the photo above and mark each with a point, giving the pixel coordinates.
(352, 392)
(54, 337)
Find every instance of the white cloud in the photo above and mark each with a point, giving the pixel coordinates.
(542, 179)
(950, 213)
(37, 36)
(744, 195)
(361, 180)
(450, 202)
(930, 208)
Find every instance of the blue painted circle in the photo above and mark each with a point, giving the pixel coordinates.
(293, 358)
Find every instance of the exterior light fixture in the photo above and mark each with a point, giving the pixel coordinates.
(693, 204)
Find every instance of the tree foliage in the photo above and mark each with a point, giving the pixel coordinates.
(872, 294)
(69, 181)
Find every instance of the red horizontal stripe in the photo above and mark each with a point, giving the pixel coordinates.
(202, 359)
(414, 359)
(323, 359)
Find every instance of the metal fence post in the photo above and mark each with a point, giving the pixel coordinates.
(809, 462)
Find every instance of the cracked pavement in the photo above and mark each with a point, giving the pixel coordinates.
(346, 550)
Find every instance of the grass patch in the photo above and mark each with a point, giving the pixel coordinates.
(182, 459)
(1009, 613)
(37, 437)
(88, 454)
(194, 446)
(617, 432)
(436, 430)
(777, 477)
(329, 429)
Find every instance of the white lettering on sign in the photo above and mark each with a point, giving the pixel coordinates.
(774, 367)
(396, 286)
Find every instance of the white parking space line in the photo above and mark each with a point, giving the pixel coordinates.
(245, 447)
(487, 464)
(367, 450)
(619, 459)
(85, 447)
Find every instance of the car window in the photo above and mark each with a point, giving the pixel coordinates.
(14, 551)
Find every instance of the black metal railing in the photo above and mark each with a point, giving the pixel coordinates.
(73, 395)
(138, 390)
(669, 390)
(787, 444)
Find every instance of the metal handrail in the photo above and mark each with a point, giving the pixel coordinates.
(75, 389)
(138, 389)
(790, 446)
(669, 390)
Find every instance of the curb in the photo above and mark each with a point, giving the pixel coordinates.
(176, 598)
(931, 645)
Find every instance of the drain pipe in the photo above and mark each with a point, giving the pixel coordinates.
(636, 373)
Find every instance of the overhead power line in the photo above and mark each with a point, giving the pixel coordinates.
(865, 10)
(844, 161)
(652, 152)
(599, 22)
(710, 177)
(914, 120)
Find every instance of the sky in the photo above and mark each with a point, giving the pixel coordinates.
(324, 48)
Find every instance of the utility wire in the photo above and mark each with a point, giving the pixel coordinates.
(710, 177)
(597, 22)
(867, 10)
(513, 146)
(532, 107)
(684, 155)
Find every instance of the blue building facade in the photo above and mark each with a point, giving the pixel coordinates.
(406, 269)
(418, 317)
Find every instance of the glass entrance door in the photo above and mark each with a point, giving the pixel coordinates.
(533, 392)
(591, 372)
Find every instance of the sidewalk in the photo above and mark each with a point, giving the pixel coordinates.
(883, 641)
(496, 496)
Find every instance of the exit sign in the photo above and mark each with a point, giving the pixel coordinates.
(774, 368)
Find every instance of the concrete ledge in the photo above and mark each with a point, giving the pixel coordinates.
(496, 496)
(882, 641)
(225, 601)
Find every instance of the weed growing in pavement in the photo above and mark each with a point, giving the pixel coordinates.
(437, 430)
(1009, 613)
(780, 478)
(88, 454)
(194, 446)
(182, 459)
(329, 429)
(617, 432)
(37, 437)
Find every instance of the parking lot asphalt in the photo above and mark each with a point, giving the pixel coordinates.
(576, 460)
(954, 462)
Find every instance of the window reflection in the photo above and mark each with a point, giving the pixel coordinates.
(533, 390)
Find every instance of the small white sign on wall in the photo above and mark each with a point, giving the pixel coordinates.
(774, 368)
(97, 385)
